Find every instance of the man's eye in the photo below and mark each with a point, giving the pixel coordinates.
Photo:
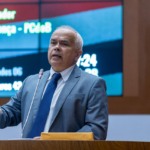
(66, 44)
(53, 42)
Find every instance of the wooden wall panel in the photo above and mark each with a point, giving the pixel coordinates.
(136, 99)
(131, 48)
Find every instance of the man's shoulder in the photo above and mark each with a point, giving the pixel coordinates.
(89, 75)
(86, 75)
(37, 75)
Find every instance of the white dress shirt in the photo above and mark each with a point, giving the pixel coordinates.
(61, 83)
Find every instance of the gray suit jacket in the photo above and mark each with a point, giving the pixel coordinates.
(81, 106)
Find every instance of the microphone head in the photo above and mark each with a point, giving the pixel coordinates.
(41, 73)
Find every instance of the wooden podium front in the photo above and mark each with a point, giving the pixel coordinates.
(72, 145)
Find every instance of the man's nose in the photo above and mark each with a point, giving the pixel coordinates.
(57, 46)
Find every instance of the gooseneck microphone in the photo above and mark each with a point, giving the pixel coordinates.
(35, 91)
(41, 73)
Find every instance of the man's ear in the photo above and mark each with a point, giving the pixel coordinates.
(79, 53)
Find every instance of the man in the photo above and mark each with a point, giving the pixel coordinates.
(79, 103)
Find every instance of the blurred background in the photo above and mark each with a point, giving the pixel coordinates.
(116, 36)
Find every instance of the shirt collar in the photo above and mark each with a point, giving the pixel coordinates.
(65, 74)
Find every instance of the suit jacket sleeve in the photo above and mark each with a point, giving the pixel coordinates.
(96, 119)
(10, 113)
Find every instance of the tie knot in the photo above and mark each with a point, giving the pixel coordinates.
(56, 76)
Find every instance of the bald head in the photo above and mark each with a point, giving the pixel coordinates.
(78, 38)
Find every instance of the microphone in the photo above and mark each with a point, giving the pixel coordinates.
(41, 73)
(39, 77)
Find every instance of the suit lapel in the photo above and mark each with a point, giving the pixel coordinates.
(73, 79)
(39, 93)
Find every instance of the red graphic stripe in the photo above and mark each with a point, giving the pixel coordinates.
(53, 10)
(27, 12)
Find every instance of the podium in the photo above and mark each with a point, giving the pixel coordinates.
(72, 145)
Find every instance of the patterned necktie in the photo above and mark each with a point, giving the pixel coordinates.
(40, 120)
